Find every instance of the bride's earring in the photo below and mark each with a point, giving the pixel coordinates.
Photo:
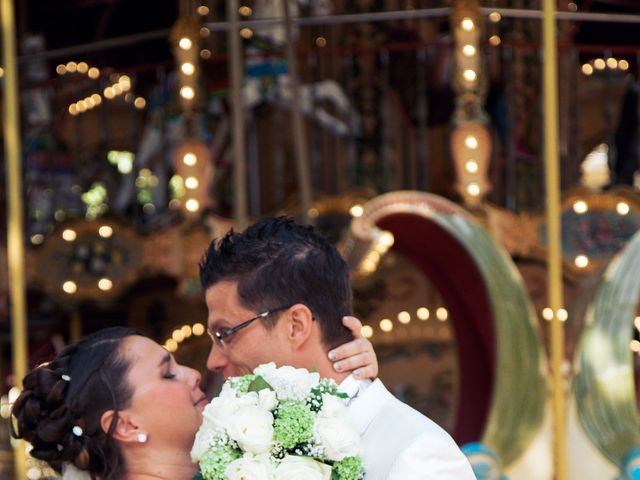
(142, 438)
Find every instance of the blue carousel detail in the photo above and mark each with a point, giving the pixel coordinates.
(484, 462)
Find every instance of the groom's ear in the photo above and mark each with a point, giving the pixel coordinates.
(125, 431)
(299, 325)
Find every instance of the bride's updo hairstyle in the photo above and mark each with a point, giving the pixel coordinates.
(59, 411)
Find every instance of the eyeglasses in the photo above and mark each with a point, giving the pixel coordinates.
(219, 337)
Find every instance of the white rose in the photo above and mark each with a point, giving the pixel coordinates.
(337, 436)
(267, 399)
(219, 410)
(289, 383)
(252, 428)
(250, 467)
(200, 444)
(302, 468)
(332, 406)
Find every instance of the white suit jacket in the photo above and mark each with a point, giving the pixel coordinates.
(398, 442)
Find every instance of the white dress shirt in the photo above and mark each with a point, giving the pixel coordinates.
(398, 442)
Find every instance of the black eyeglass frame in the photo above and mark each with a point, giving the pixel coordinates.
(219, 337)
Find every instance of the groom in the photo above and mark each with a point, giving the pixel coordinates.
(277, 292)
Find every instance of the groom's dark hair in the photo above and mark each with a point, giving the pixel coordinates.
(278, 262)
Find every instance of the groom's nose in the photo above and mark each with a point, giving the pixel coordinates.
(217, 359)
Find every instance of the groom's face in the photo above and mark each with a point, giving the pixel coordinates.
(248, 347)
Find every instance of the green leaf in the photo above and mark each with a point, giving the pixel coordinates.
(198, 476)
(259, 384)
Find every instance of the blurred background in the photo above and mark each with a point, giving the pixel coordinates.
(408, 131)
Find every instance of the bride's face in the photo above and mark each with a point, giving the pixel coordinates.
(167, 402)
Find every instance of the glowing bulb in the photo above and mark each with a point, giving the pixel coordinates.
(495, 40)
(404, 317)
(97, 99)
(109, 93)
(495, 17)
(367, 331)
(171, 345)
(203, 10)
(612, 63)
(73, 109)
(562, 315)
(190, 159)
(246, 33)
(69, 287)
(635, 346)
(423, 313)
(177, 335)
(191, 183)
(473, 189)
(61, 69)
(105, 231)
(83, 67)
(547, 313)
(471, 166)
(387, 239)
(386, 325)
(470, 75)
(69, 235)
(185, 43)
(139, 103)
(187, 93)
(580, 207)
(105, 284)
(204, 32)
(186, 331)
(587, 69)
(469, 50)
(467, 24)
(599, 63)
(245, 11)
(72, 67)
(198, 329)
(93, 73)
(192, 205)
(117, 88)
(623, 65)
(356, 211)
(636, 323)
(442, 314)
(188, 68)
(471, 142)
(581, 261)
(622, 208)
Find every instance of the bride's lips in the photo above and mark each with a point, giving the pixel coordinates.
(201, 403)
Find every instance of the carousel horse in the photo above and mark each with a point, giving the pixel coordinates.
(267, 81)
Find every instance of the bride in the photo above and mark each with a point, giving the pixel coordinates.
(117, 406)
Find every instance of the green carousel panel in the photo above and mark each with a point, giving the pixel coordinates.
(604, 383)
(520, 390)
(519, 397)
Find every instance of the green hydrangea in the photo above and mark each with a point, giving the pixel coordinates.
(214, 463)
(293, 424)
(349, 468)
(241, 384)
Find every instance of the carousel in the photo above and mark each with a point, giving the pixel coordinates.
(476, 163)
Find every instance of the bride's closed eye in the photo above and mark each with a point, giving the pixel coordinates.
(169, 376)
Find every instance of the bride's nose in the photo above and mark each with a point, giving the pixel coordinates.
(194, 378)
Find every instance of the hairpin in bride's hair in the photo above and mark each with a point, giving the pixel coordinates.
(77, 431)
(65, 377)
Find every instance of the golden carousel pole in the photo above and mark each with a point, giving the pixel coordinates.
(236, 60)
(554, 234)
(15, 245)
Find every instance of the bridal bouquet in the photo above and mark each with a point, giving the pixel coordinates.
(277, 423)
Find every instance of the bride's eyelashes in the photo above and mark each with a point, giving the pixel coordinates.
(169, 376)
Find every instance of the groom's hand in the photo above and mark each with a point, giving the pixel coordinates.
(356, 356)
